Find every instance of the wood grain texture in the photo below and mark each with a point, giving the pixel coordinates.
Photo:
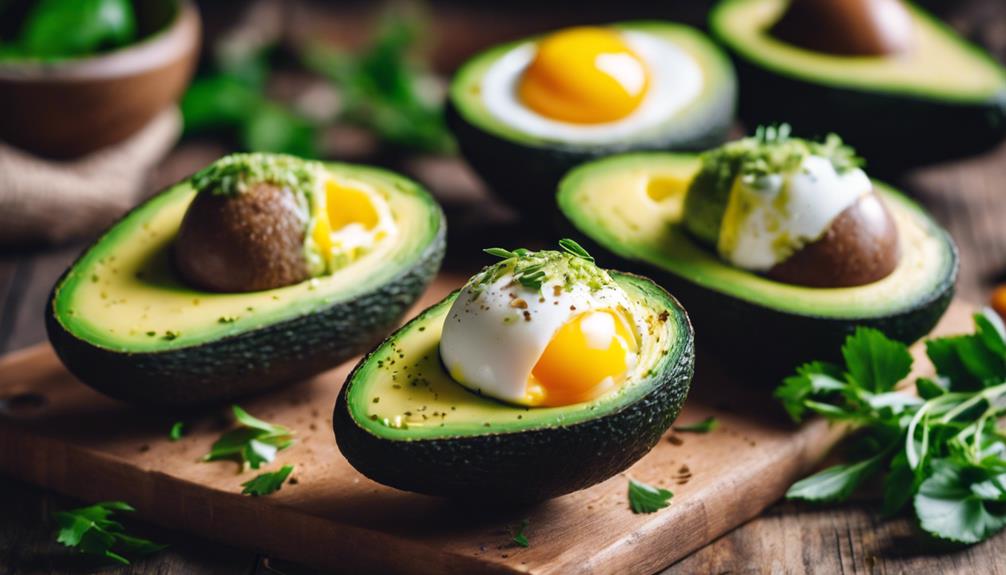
(59, 434)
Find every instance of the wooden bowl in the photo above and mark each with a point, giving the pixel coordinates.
(64, 109)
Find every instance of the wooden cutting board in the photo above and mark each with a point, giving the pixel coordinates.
(57, 433)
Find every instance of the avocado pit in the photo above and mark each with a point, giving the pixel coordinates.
(250, 241)
(847, 27)
(859, 247)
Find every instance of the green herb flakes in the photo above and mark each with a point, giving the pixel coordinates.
(91, 530)
(267, 483)
(705, 426)
(251, 444)
(177, 431)
(645, 498)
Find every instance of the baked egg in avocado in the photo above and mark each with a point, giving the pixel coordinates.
(900, 85)
(544, 374)
(525, 112)
(779, 247)
(259, 270)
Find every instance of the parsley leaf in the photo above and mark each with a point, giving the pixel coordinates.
(177, 431)
(520, 538)
(91, 530)
(645, 498)
(835, 483)
(875, 362)
(705, 426)
(66, 28)
(254, 443)
(267, 483)
(949, 506)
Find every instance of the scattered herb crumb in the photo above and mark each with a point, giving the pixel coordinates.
(170, 335)
(91, 530)
(177, 430)
(251, 444)
(645, 498)
(520, 538)
(705, 426)
(267, 483)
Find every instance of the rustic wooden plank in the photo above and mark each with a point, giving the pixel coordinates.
(77, 442)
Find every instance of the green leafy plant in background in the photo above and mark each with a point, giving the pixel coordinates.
(385, 90)
(941, 450)
(380, 89)
(91, 530)
(233, 99)
(69, 28)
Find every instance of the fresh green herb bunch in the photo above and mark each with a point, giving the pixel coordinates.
(772, 150)
(233, 174)
(534, 269)
(943, 449)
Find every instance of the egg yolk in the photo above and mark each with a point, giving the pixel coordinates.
(585, 76)
(587, 357)
(344, 205)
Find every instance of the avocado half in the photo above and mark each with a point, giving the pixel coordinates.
(524, 169)
(631, 205)
(122, 321)
(943, 99)
(402, 421)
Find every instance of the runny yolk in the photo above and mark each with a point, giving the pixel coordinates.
(584, 75)
(344, 205)
(587, 357)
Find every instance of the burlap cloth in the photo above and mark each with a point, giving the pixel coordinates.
(48, 201)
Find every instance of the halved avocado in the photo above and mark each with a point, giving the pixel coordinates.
(123, 322)
(631, 205)
(402, 421)
(943, 98)
(524, 169)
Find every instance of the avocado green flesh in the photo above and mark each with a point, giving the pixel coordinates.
(402, 391)
(632, 206)
(717, 85)
(938, 65)
(123, 294)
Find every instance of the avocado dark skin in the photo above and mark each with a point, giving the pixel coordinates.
(250, 241)
(847, 27)
(859, 247)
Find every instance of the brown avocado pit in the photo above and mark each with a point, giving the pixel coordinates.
(860, 247)
(248, 241)
(847, 27)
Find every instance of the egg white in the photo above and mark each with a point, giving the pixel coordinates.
(771, 226)
(489, 345)
(675, 81)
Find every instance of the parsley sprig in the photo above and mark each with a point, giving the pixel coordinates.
(645, 498)
(91, 530)
(942, 449)
(253, 443)
(533, 269)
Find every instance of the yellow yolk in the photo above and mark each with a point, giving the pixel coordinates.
(585, 76)
(587, 357)
(344, 205)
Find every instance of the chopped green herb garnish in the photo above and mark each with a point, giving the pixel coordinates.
(705, 426)
(576, 249)
(91, 530)
(520, 538)
(177, 430)
(267, 483)
(941, 451)
(253, 443)
(500, 253)
(227, 319)
(235, 173)
(645, 498)
(170, 335)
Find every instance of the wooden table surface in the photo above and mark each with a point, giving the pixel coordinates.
(965, 196)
